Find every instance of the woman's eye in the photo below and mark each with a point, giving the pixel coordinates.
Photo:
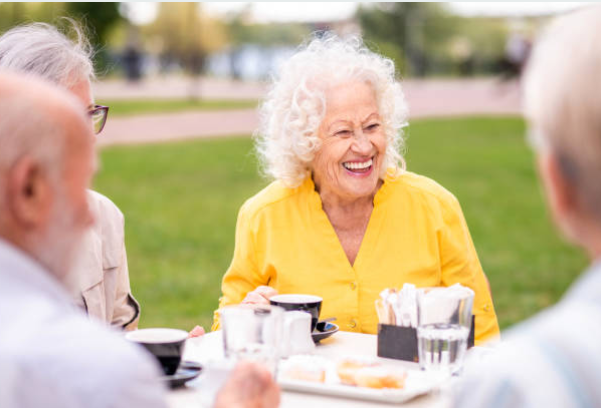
(343, 133)
(373, 127)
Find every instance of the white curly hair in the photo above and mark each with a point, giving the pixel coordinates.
(294, 108)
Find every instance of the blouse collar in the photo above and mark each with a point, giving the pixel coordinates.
(392, 174)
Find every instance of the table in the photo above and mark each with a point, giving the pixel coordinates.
(210, 347)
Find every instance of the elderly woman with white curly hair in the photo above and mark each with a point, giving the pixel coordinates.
(103, 288)
(344, 219)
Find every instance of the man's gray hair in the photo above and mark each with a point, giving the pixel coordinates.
(32, 124)
(41, 49)
(563, 99)
(20, 133)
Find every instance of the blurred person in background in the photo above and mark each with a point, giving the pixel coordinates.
(554, 359)
(103, 288)
(517, 51)
(344, 219)
(50, 354)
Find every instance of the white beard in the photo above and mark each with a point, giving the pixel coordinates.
(58, 247)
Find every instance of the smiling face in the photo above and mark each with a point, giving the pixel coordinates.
(349, 162)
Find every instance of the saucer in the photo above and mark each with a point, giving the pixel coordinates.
(328, 330)
(186, 371)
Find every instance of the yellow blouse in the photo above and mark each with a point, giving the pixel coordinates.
(416, 233)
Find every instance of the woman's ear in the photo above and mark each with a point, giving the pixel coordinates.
(29, 193)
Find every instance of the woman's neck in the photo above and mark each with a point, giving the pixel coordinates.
(333, 202)
(347, 210)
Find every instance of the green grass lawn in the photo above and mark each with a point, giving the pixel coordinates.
(146, 106)
(181, 200)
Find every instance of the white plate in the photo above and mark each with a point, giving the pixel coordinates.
(417, 383)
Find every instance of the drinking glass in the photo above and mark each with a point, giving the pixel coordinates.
(253, 332)
(444, 321)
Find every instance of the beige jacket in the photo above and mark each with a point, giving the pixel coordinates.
(104, 290)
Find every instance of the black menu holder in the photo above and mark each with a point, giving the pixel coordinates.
(400, 342)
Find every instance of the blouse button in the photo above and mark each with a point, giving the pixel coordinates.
(487, 308)
(353, 285)
(352, 324)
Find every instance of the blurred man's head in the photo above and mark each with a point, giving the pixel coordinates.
(46, 163)
(563, 106)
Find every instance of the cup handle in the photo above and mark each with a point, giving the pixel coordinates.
(285, 348)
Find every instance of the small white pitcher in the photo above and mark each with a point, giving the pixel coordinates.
(297, 334)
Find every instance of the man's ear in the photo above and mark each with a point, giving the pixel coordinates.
(562, 195)
(29, 193)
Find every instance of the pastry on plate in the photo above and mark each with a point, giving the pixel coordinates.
(366, 372)
(303, 368)
(380, 377)
(348, 367)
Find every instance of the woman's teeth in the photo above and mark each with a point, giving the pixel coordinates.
(358, 165)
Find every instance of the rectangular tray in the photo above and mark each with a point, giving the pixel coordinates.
(417, 383)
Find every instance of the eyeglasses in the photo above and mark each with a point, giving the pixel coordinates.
(98, 114)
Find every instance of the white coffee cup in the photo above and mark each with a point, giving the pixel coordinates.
(297, 334)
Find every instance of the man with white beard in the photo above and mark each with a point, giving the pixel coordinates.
(51, 355)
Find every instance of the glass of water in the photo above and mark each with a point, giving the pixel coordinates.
(253, 332)
(444, 321)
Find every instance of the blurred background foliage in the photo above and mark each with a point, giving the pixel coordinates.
(424, 39)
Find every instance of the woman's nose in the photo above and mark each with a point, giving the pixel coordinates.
(362, 144)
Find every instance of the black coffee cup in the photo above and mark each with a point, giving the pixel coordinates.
(166, 345)
(306, 303)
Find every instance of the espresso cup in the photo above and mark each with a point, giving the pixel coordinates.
(305, 303)
(166, 345)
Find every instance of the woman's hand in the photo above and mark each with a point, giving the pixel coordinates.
(259, 296)
(196, 332)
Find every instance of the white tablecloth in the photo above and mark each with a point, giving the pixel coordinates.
(210, 347)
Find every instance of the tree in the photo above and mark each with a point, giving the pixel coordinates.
(242, 32)
(185, 35)
(14, 13)
(426, 38)
(99, 17)
(96, 18)
(417, 33)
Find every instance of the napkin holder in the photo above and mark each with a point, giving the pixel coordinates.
(400, 342)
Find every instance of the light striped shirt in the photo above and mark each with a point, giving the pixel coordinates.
(551, 360)
(51, 355)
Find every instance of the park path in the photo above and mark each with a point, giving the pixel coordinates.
(426, 98)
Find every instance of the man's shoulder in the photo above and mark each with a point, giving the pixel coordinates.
(82, 360)
(76, 338)
(560, 323)
(105, 207)
(549, 360)
(109, 227)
